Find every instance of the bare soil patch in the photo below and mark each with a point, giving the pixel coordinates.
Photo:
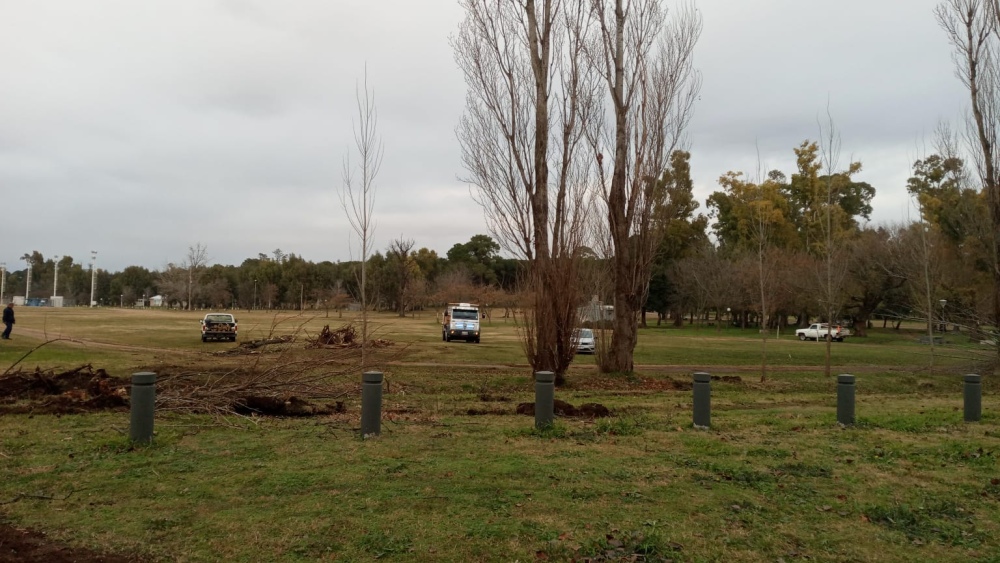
(19, 545)
(75, 391)
(562, 408)
(85, 389)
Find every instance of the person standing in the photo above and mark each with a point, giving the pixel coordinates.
(8, 320)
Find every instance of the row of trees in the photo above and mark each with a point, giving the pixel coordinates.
(706, 268)
(400, 279)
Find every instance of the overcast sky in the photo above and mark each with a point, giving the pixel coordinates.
(138, 129)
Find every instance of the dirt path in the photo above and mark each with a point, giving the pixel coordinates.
(87, 343)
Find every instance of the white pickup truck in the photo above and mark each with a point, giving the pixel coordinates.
(823, 331)
(218, 326)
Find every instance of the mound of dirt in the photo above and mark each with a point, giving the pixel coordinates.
(562, 408)
(728, 378)
(75, 391)
(291, 406)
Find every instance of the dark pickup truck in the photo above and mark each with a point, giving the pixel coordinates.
(218, 326)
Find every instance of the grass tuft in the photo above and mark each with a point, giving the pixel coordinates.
(933, 520)
(621, 426)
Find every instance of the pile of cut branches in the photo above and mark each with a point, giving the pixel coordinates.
(254, 346)
(344, 337)
(286, 386)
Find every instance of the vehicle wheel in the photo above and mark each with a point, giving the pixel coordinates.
(477, 340)
(802, 337)
(447, 337)
(204, 339)
(443, 337)
(232, 338)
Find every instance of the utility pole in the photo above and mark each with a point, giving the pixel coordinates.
(93, 275)
(3, 279)
(27, 285)
(55, 276)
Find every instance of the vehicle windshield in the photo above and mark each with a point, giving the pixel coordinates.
(583, 333)
(219, 318)
(465, 314)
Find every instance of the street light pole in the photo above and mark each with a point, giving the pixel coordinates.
(27, 285)
(55, 276)
(93, 275)
(3, 279)
(254, 306)
(944, 323)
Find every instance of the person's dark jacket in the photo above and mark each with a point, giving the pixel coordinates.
(8, 315)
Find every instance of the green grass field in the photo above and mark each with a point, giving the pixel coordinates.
(457, 476)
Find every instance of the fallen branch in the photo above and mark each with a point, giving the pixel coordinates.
(20, 496)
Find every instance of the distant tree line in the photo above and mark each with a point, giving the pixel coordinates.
(399, 279)
(936, 268)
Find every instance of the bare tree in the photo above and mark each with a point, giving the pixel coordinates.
(713, 276)
(761, 214)
(874, 273)
(973, 29)
(194, 264)
(760, 227)
(454, 285)
(172, 280)
(357, 195)
(645, 61)
(528, 99)
(834, 254)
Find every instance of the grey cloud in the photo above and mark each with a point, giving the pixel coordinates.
(136, 125)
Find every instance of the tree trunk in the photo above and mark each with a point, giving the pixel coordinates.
(625, 335)
(861, 324)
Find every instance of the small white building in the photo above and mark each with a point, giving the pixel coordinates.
(596, 312)
(156, 301)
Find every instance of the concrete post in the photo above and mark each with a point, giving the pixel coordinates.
(545, 391)
(371, 404)
(702, 400)
(845, 399)
(973, 397)
(143, 403)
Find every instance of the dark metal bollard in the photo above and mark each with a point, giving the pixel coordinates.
(845, 399)
(702, 400)
(973, 397)
(371, 404)
(545, 391)
(143, 399)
